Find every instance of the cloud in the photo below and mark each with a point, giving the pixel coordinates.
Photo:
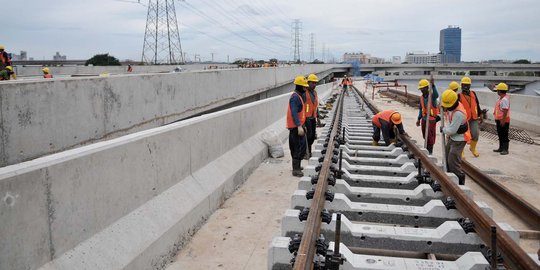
(491, 29)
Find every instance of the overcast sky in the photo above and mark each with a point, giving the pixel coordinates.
(261, 29)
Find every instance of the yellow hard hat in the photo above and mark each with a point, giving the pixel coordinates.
(396, 118)
(454, 86)
(9, 68)
(312, 78)
(502, 87)
(465, 80)
(301, 80)
(2, 47)
(448, 98)
(423, 83)
(46, 70)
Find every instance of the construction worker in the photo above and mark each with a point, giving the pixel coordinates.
(130, 68)
(345, 83)
(384, 123)
(434, 117)
(469, 99)
(4, 58)
(312, 103)
(454, 86)
(296, 118)
(46, 73)
(501, 114)
(6, 73)
(457, 132)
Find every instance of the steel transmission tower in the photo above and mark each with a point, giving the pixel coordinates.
(161, 37)
(312, 47)
(296, 39)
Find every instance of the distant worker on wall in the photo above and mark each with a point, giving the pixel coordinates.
(7, 73)
(46, 73)
(4, 58)
(434, 117)
(384, 123)
(296, 118)
(312, 104)
(468, 98)
(130, 68)
(501, 113)
(457, 132)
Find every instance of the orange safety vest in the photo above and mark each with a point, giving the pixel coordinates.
(349, 81)
(498, 112)
(469, 103)
(311, 106)
(434, 110)
(47, 76)
(384, 115)
(301, 114)
(467, 135)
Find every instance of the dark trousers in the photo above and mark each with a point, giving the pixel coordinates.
(432, 133)
(297, 144)
(453, 158)
(377, 134)
(502, 132)
(311, 132)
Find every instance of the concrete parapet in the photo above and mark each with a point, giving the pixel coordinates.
(43, 117)
(130, 202)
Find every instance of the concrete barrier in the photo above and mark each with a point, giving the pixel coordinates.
(44, 117)
(130, 202)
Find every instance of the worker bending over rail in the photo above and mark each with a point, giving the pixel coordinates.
(457, 132)
(296, 118)
(384, 123)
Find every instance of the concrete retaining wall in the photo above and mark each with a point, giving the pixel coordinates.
(130, 202)
(39, 118)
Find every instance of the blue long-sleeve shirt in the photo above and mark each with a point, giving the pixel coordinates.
(296, 106)
(434, 98)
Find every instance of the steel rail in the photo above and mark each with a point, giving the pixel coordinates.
(520, 207)
(514, 256)
(307, 249)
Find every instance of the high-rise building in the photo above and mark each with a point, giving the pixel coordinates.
(450, 44)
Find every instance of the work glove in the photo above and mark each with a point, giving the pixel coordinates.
(301, 131)
(418, 123)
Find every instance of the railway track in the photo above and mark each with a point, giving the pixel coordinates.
(385, 207)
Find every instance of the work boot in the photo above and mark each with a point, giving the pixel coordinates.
(430, 148)
(374, 143)
(297, 170)
(504, 150)
(461, 180)
(498, 150)
(473, 148)
(463, 155)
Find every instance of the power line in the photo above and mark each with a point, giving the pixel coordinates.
(258, 21)
(277, 11)
(312, 47)
(296, 39)
(214, 21)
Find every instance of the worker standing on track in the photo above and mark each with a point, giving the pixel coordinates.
(468, 98)
(384, 123)
(296, 118)
(501, 114)
(457, 132)
(312, 104)
(434, 117)
(46, 73)
(4, 58)
(454, 86)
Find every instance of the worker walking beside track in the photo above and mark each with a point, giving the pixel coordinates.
(433, 117)
(457, 132)
(296, 118)
(312, 103)
(384, 123)
(468, 98)
(501, 113)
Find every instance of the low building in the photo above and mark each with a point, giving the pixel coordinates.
(362, 58)
(423, 58)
